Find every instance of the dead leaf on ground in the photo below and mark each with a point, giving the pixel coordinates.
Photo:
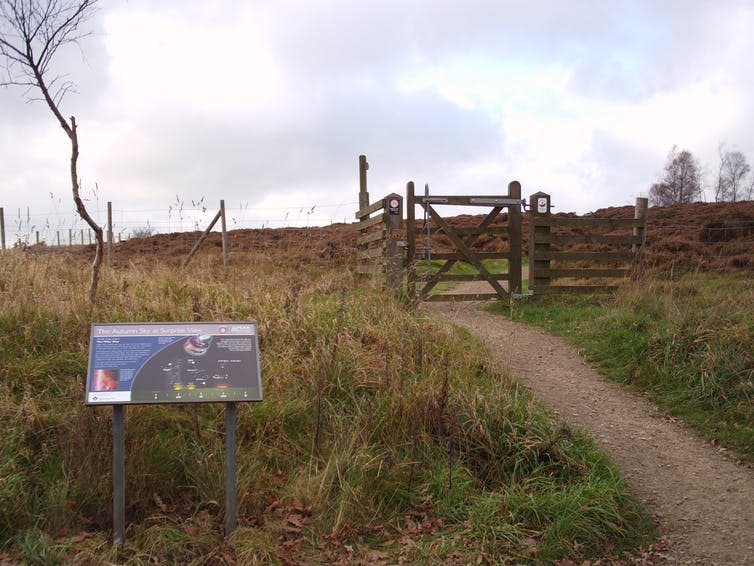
(376, 556)
(158, 501)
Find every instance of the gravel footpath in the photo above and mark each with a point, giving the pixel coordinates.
(701, 498)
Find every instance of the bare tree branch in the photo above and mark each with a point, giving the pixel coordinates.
(31, 33)
(732, 174)
(681, 181)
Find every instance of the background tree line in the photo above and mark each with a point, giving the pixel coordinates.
(681, 179)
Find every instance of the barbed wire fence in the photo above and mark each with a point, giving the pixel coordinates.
(729, 242)
(26, 227)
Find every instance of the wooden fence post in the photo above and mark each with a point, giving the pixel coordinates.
(363, 194)
(109, 233)
(82, 236)
(201, 239)
(224, 228)
(394, 255)
(2, 226)
(411, 241)
(539, 269)
(57, 233)
(514, 229)
(70, 237)
(640, 213)
(37, 237)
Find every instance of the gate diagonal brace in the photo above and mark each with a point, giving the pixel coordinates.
(466, 252)
(435, 278)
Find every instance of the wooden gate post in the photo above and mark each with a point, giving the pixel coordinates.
(411, 240)
(539, 269)
(363, 194)
(640, 213)
(514, 240)
(394, 256)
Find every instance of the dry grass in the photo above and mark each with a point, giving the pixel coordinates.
(378, 426)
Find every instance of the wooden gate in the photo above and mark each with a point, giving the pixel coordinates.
(462, 240)
(582, 254)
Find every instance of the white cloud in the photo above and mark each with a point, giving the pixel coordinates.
(270, 103)
(178, 64)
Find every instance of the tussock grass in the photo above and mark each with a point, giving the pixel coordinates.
(383, 435)
(689, 343)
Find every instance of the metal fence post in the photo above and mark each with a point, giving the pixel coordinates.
(230, 468)
(119, 476)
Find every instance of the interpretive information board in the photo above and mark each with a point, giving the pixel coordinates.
(173, 363)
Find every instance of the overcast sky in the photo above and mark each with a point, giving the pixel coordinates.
(267, 104)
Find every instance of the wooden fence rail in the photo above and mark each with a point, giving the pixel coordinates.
(379, 252)
(586, 271)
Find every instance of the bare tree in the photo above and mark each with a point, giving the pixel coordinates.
(681, 182)
(732, 177)
(31, 33)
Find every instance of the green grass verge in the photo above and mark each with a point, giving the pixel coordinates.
(688, 343)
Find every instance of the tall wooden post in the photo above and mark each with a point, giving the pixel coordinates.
(363, 194)
(640, 213)
(82, 236)
(57, 234)
(224, 227)
(539, 266)
(70, 237)
(2, 226)
(393, 205)
(109, 233)
(514, 230)
(411, 240)
(37, 237)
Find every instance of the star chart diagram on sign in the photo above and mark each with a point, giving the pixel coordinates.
(173, 363)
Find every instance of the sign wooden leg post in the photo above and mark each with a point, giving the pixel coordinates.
(119, 476)
(230, 468)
